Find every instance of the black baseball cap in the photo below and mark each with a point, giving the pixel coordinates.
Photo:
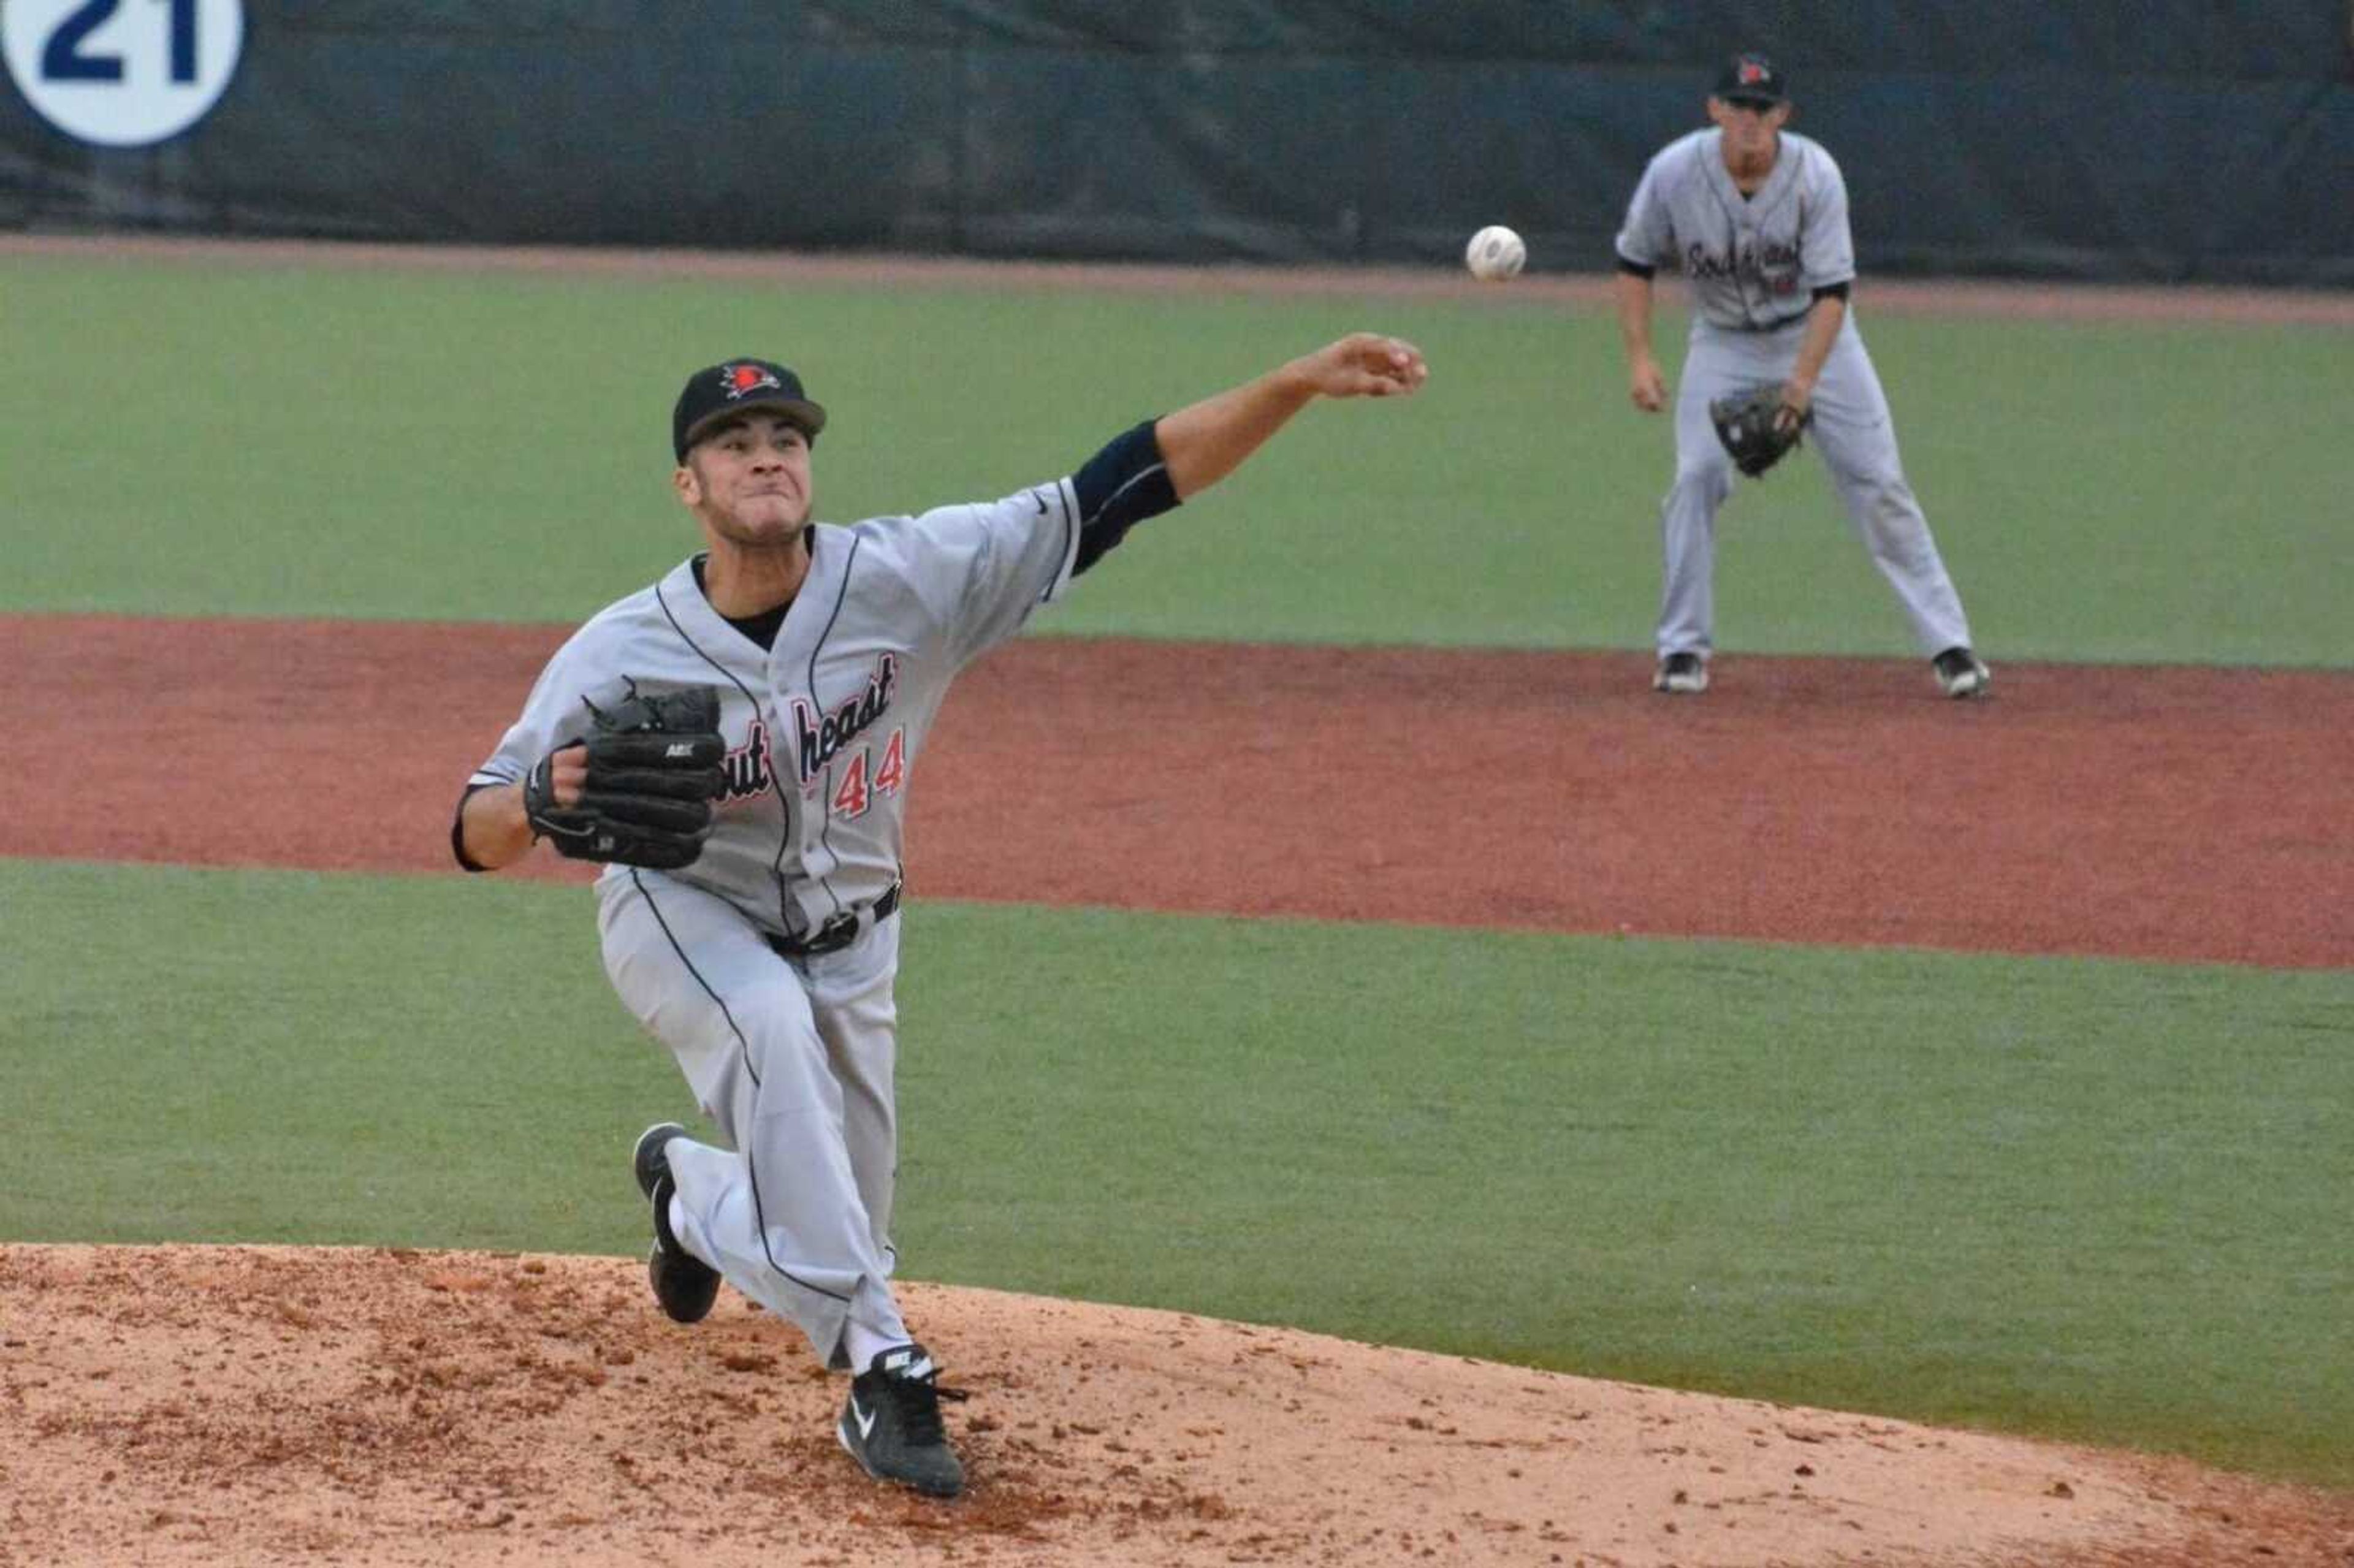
(714, 393)
(1751, 79)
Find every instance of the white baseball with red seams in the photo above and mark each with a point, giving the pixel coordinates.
(1495, 254)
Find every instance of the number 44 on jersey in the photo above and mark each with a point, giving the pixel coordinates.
(856, 791)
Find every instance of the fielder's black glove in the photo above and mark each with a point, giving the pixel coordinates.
(654, 771)
(1756, 428)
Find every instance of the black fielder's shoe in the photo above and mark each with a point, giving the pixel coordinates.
(891, 1424)
(683, 1282)
(1961, 673)
(1682, 675)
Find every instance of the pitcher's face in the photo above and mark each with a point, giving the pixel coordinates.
(749, 480)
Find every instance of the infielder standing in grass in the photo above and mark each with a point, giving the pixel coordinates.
(755, 937)
(1755, 218)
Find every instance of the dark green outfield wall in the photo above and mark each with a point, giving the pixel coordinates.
(2166, 139)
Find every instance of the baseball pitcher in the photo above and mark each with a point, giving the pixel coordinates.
(735, 744)
(1755, 218)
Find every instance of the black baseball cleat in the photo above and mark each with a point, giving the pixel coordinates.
(683, 1282)
(1961, 673)
(891, 1424)
(1682, 675)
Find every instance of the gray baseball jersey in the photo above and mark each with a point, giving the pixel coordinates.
(1754, 264)
(824, 728)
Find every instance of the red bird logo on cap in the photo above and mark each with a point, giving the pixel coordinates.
(740, 379)
(1752, 73)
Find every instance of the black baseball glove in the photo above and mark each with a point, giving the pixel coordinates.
(1757, 428)
(654, 771)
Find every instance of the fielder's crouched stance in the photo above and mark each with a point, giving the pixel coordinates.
(1755, 218)
(735, 743)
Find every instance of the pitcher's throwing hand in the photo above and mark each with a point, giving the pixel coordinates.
(1365, 364)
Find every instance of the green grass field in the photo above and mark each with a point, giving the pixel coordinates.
(206, 439)
(2098, 1199)
(2095, 1200)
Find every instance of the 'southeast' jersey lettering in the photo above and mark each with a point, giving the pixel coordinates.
(1753, 262)
(818, 739)
(748, 769)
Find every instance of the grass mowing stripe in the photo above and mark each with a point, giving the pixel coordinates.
(384, 444)
(2096, 1200)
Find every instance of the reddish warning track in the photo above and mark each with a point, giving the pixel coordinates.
(2165, 813)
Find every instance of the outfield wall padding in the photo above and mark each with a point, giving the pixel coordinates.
(2167, 140)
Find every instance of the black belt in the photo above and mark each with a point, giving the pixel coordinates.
(839, 930)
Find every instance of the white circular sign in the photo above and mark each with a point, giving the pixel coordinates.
(122, 73)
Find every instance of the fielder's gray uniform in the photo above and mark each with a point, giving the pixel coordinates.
(792, 1054)
(1754, 263)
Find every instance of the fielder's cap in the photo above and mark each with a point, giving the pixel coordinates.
(723, 391)
(1751, 79)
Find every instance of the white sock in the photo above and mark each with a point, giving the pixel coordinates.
(864, 1344)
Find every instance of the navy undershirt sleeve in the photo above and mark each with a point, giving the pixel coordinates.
(1634, 269)
(1832, 291)
(1117, 488)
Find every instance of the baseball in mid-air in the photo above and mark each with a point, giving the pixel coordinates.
(1495, 254)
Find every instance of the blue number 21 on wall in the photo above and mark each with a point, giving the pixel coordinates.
(122, 73)
(63, 60)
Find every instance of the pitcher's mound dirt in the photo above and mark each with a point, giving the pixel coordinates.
(270, 1405)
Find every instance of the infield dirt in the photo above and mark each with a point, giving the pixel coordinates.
(2131, 813)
